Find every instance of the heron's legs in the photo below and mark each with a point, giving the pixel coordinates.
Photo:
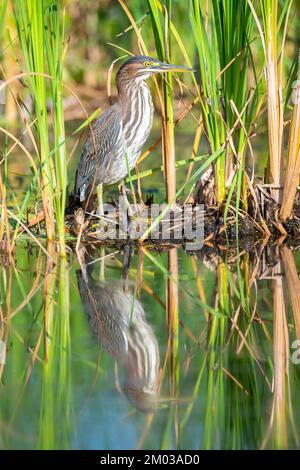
(124, 194)
(101, 222)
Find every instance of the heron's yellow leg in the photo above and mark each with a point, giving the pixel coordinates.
(124, 194)
(101, 221)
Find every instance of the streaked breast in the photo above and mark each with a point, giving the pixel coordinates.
(137, 120)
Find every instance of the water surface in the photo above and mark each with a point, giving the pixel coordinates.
(167, 350)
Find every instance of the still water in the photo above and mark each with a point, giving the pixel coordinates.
(154, 349)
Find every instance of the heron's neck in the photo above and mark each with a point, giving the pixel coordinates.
(135, 99)
(137, 115)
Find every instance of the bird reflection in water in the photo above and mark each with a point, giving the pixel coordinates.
(118, 319)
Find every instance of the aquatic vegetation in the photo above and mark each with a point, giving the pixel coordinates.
(226, 105)
(101, 341)
(184, 343)
(39, 23)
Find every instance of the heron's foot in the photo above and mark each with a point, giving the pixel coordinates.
(79, 222)
(124, 191)
(79, 219)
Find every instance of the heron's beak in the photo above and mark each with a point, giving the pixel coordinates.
(164, 67)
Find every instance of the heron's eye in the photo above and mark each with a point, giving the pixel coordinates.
(147, 64)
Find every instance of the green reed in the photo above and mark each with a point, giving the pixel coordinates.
(29, 17)
(3, 7)
(40, 26)
(54, 20)
(232, 89)
(4, 226)
(56, 391)
(162, 39)
(222, 38)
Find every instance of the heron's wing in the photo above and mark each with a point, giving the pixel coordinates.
(104, 137)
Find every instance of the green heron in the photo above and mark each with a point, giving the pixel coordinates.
(118, 135)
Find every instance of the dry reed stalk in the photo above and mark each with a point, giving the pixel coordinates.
(10, 66)
(275, 111)
(169, 154)
(196, 145)
(172, 303)
(281, 354)
(200, 287)
(163, 46)
(49, 293)
(293, 285)
(268, 35)
(292, 172)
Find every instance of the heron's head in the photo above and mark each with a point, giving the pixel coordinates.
(142, 67)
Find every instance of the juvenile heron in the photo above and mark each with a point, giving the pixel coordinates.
(118, 135)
